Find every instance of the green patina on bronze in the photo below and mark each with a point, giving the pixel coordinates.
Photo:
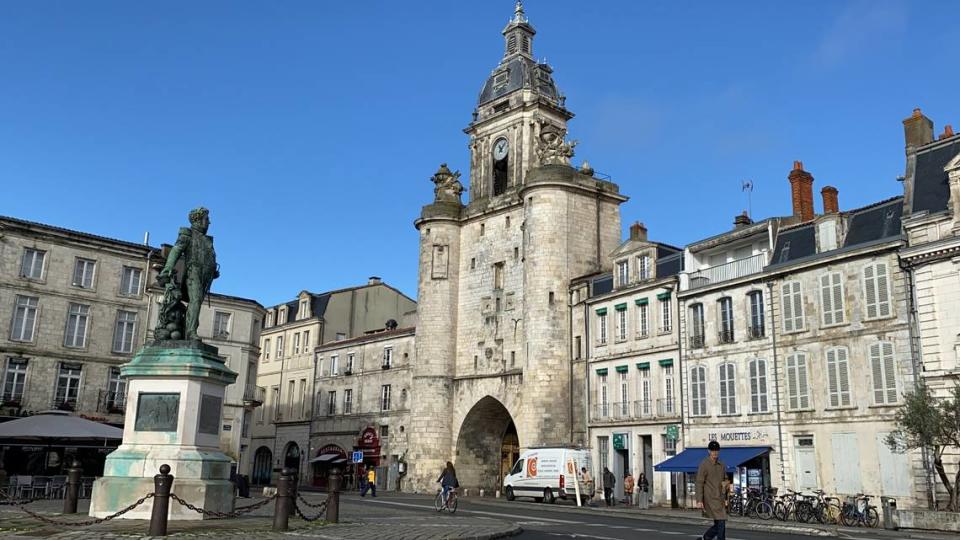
(179, 359)
(187, 274)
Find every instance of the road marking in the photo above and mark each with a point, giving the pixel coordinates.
(495, 514)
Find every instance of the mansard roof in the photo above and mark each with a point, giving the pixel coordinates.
(931, 190)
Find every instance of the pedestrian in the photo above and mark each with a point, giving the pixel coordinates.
(371, 483)
(628, 489)
(711, 491)
(609, 480)
(586, 485)
(643, 487)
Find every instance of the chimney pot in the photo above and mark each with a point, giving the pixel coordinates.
(831, 204)
(801, 192)
(742, 220)
(374, 280)
(947, 131)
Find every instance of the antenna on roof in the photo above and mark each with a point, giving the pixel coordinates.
(747, 185)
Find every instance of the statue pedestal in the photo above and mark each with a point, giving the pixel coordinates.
(175, 395)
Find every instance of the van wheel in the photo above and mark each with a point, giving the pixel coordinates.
(510, 495)
(548, 496)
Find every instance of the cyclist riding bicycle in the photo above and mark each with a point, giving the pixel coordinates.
(448, 480)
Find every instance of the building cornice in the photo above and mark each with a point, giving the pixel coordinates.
(945, 248)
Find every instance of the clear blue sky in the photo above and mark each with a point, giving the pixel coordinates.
(310, 129)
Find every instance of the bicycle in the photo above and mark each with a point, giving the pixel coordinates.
(450, 506)
(785, 505)
(857, 511)
(826, 509)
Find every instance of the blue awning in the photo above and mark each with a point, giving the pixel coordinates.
(732, 457)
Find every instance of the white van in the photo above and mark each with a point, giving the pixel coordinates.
(548, 473)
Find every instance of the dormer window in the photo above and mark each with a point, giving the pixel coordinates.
(643, 267)
(827, 235)
(623, 273)
(303, 310)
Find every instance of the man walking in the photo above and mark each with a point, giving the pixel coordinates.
(371, 483)
(711, 487)
(609, 480)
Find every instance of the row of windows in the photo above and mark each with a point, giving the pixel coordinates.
(329, 408)
(281, 314)
(32, 266)
(839, 394)
(876, 289)
(616, 402)
(67, 390)
(334, 368)
(642, 320)
(301, 345)
(642, 269)
(26, 313)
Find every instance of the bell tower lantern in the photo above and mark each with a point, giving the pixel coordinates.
(518, 101)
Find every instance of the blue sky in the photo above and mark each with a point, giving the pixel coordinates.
(310, 129)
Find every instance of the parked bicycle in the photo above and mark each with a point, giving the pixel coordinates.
(451, 503)
(858, 512)
(784, 506)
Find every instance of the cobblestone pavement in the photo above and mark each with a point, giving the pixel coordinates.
(356, 523)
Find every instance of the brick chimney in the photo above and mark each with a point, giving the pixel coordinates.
(801, 192)
(742, 220)
(831, 204)
(918, 129)
(638, 231)
(947, 132)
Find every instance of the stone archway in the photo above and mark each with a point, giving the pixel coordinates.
(487, 432)
(262, 466)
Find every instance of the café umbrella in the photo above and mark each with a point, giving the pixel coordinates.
(57, 426)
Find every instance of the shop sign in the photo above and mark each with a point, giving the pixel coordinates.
(673, 432)
(734, 436)
(619, 441)
(369, 438)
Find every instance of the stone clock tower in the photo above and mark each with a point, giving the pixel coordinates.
(493, 371)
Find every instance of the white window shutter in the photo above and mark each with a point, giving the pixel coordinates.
(889, 371)
(876, 365)
(837, 292)
(787, 303)
(883, 290)
(797, 307)
(826, 299)
(792, 392)
(843, 375)
(832, 377)
(802, 381)
(870, 289)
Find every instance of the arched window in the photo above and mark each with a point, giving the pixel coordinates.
(291, 456)
(262, 466)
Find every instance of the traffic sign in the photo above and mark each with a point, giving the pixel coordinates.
(358, 456)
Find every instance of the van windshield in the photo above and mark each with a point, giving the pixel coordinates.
(517, 467)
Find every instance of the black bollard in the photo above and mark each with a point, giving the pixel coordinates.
(162, 483)
(73, 488)
(333, 495)
(281, 512)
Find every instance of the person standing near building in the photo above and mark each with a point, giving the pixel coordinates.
(609, 480)
(628, 489)
(711, 492)
(371, 483)
(643, 488)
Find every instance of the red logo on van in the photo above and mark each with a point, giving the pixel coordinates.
(532, 467)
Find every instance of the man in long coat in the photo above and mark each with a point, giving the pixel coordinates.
(712, 490)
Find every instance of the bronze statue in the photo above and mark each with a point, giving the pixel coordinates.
(194, 249)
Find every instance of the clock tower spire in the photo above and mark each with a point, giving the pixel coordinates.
(518, 103)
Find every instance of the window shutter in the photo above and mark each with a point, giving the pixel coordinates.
(843, 375)
(762, 383)
(797, 307)
(883, 290)
(754, 389)
(826, 299)
(876, 364)
(870, 289)
(787, 304)
(792, 381)
(889, 372)
(804, 398)
(832, 377)
(723, 389)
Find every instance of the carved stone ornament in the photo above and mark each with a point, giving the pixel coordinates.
(448, 187)
(551, 148)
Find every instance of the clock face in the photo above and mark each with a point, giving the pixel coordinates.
(500, 149)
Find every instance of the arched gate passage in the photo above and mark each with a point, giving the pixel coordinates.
(487, 440)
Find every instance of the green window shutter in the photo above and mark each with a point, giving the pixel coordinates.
(602, 311)
(620, 307)
(666, 363)
(663, 296)
(643, 365)
(602, 371)
(623, 369)
(642, 301)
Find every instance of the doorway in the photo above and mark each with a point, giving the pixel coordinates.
(621, 461)
(806, 474)
(509, 451)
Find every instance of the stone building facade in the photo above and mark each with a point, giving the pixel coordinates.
(74, 310)
(493, 330)
(289, 365)
(625, 325)
(932, 260)
(362, 403)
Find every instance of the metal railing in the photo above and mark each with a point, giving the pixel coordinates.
(254, 394)
(725, 336)
(111, 402)
(755, 332)
(727, 271)
(634, 410)
(696, 341)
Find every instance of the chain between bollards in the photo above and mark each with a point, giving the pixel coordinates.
(162, 484)
(285, 501)
(73, 488)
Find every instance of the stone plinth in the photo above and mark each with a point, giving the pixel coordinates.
(175, 393)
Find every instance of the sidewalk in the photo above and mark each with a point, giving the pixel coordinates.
(355, 524)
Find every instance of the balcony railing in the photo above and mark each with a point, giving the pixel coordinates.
(634, 410)
(725, 336)
(727, 271)
(696, 342)
(254, 395)
(755, 332)
(112, 402)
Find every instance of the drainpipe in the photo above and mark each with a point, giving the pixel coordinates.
(313, 407)
(916, 359)
(776, 384)
(570, 382)
(586, 362)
